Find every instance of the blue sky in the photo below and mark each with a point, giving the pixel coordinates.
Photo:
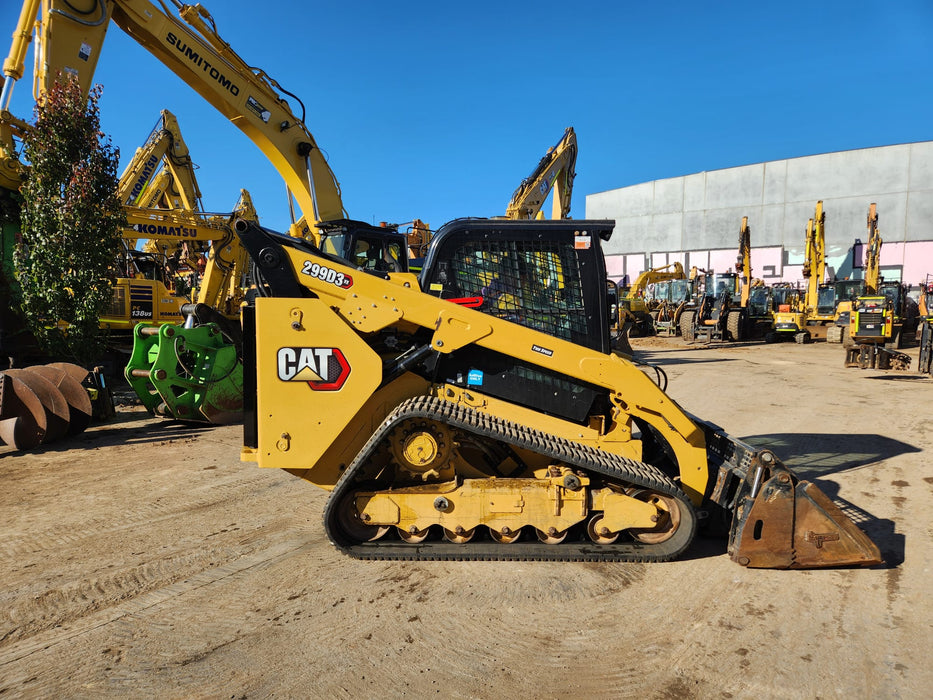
(438, 110)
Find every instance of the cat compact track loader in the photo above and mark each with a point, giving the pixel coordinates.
(477, 413)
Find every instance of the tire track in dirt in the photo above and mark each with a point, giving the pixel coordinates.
(56, 606)
(20, 661)
(139, 512)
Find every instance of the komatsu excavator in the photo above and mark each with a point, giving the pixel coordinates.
(447, 425)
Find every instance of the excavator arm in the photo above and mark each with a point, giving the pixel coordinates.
(873, 253)
(672, 271)
(814, 266)
(743, 263)
(71, 34)
(554, 171)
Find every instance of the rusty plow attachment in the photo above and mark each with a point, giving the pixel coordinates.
(42, 404)
(778, 520)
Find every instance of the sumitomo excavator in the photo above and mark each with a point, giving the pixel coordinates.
(446, 425)
(70, 36)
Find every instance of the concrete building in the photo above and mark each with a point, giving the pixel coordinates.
(695, 219)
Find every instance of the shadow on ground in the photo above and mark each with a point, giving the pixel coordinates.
(813, 455)
(127, 428)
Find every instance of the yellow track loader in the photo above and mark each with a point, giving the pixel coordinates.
(476, 412)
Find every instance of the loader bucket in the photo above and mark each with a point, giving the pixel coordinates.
(779, 521)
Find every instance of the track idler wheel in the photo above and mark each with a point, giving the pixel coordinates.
(668, 518)
(781, 522)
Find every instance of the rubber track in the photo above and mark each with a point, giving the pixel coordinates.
(616, 468)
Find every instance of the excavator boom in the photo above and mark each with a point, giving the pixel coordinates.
(71, 35)
(554, 171)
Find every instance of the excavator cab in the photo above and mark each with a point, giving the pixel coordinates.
(759, 302)
(826, 300)
(371, 248)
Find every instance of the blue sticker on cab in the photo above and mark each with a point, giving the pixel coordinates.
(475, 378)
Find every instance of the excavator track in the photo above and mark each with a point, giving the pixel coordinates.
(605, 466)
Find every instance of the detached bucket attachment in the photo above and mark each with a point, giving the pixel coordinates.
(186, 373)
(779, 521)
(42, 404)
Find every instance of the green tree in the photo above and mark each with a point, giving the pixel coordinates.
(71, 224)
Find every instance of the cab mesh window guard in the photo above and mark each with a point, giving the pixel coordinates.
(532, 283)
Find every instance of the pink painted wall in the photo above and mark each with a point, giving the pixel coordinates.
(910, 262)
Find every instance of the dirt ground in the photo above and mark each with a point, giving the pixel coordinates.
(143, 558)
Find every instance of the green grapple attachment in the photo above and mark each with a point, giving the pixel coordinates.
(187, 373)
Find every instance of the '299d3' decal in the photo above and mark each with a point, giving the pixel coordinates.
(324, 369)
(326, 274)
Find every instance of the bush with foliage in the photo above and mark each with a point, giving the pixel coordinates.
(71, 224)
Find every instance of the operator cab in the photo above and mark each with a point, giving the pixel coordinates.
(826, 300)
(549, 275)
(375, 249)
(759, 302)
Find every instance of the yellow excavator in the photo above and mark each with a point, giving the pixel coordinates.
(925, 331)
(70, 41)
(795, 322)
(881, 316)
(555, 171)
(633, 304)
(447, 426)
(162, 203)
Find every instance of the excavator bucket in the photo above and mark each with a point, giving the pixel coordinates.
(42, 404)
(778, 520)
